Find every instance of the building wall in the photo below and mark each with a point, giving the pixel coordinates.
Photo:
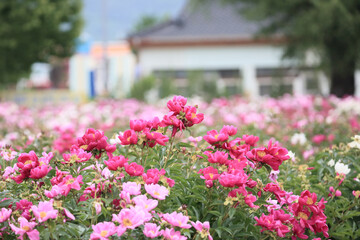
(245, 58)
(120, 64)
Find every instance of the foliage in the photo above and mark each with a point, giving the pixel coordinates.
(35, 31)
(141, 87)
(148, 21)
(189, 146)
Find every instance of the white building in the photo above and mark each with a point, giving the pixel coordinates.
(217, 40)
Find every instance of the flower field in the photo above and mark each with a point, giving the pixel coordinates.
(284, 168)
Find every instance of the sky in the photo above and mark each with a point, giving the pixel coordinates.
(122, 16)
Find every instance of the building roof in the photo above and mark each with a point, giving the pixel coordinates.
(211, 23)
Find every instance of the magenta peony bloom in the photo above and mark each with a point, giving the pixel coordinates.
(128, 137)
(134, 169)
(40, 171)
(116, 162)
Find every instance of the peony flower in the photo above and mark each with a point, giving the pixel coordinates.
(40, 171)
(69, 182)
(171, 234)
(132, 188)
(137, 125)
(129, 137)
(157, 191)
(134, 169)
(103, 231)
(145, 203)
(77, 155)
(4, 214)
(116, 162)
(54, 192)
(203, 229)
(27, 228)
(177, 219)
(151, 230)
(44, 211)
(341, 168)
(131, 217)
(331, 163)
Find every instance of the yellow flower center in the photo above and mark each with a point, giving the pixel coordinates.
(261, 153)
(103, 233)
(70, 181)
(303, 216)
(211, 175)
(193, 115)
(126, 222)
(156, 193)
(25, 228)
(357, 193)
(309, 201)
(28, 162)
(84, 147)
(74, 158)
(179, 223)
(216, 136)
(42, 214)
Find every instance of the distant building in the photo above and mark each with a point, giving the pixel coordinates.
(88, 65)
(215, 39)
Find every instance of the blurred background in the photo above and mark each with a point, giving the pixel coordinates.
(76, 50)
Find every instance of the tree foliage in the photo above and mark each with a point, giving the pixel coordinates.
(329, 28)
(34, 31)
(148, 21)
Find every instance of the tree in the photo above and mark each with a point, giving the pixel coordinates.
(36, 31)
(329, 28)
(148, 21)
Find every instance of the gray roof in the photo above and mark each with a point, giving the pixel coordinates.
(212, 20)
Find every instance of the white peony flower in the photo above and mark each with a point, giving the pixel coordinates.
(298, 138)
(291, 155)
(341, 168)
(331, 163)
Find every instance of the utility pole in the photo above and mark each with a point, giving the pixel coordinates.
(105, 45)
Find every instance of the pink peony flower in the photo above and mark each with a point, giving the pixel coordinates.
(44, 211)
(134, 169)
(151, 230)
(40, 171)
(157, 191)
(145, 203)
(76, 155)
(203, 229)
(132, 188)
(138, 125)
(177, 104)
(177, 219)
(131, 217)
(129, 137)
(116, 162)
(27, 228)
(4, 214)
(171, 234)
(69, 182)
(54, 192)
(213, 137)
(103, 231)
